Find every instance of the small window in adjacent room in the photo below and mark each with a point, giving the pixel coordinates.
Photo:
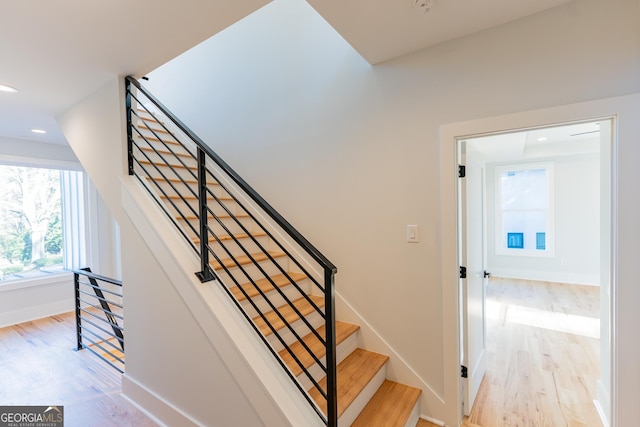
(524, 211)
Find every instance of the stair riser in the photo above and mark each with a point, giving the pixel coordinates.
(228, 248)
(164, 159)
(315, 319)
(415, 415)
(276, 299)
(352, 412)
(189, 186)
(252, 271)
(215, 226)
(146, 127)
(342, 351)
(162, 142)
(190, 207)
(163, 173)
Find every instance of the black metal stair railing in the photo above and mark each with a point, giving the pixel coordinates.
(99, 316)
(207, 201)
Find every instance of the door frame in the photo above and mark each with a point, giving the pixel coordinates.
(475, 278)
(613, 109)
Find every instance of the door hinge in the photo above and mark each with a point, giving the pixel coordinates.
(462, 171)
(463, 272)
(463, 371)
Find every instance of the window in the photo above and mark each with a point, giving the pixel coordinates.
(31, 222)
(524, 213)
(515, 240)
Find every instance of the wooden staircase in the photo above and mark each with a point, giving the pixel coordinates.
(366, 397)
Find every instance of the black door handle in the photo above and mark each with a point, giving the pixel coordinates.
(486, 274)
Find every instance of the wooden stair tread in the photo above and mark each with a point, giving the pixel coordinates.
(244, 260)
(189, 181)
(265, 285)
(390, 406)
(154, 139)
(354, 373)
(161, 151)
(163, 165)
(148, 119)
(156, 130)
(192, 197)
(343, 331)
(303, 306)
(227, 237)
(194, 218)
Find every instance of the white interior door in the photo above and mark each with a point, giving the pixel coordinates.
(472, 288)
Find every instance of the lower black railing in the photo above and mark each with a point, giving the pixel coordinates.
(221, 216)
(99, 316)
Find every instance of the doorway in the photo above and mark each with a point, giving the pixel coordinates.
(534, 205)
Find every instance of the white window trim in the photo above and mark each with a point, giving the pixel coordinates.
(549, 252)
(74, 257)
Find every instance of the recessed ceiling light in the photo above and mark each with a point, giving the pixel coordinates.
(5, 88)
(38, 131)
(544, 138)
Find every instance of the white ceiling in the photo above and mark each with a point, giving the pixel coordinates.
(383, 29)
(550, 142)
(58, 52)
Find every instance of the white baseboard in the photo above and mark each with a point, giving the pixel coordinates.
(154, 406)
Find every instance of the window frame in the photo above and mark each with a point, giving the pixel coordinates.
(10, 159)
(549, 231)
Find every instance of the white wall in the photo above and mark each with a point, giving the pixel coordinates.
(350, 153)
(30, 299)
(25, 152)
(576, 256)
(24, 300)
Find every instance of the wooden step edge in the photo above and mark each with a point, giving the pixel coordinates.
(160, 180)
(244, 260)
(210, 217)
(343, 331)
(156, 130)
(187, 181)
(148, 138)
(228, 237)
(353, 375)
(146, 116)
(161, 151)
(391, 406)
(191, 197)
(265, 285)
(146, 127)
(162, 165)
(303, 306)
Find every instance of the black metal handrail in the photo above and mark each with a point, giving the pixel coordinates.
(223, 251)
(97, 322)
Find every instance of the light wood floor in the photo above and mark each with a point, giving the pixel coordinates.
(39, 367)
(543, 356)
